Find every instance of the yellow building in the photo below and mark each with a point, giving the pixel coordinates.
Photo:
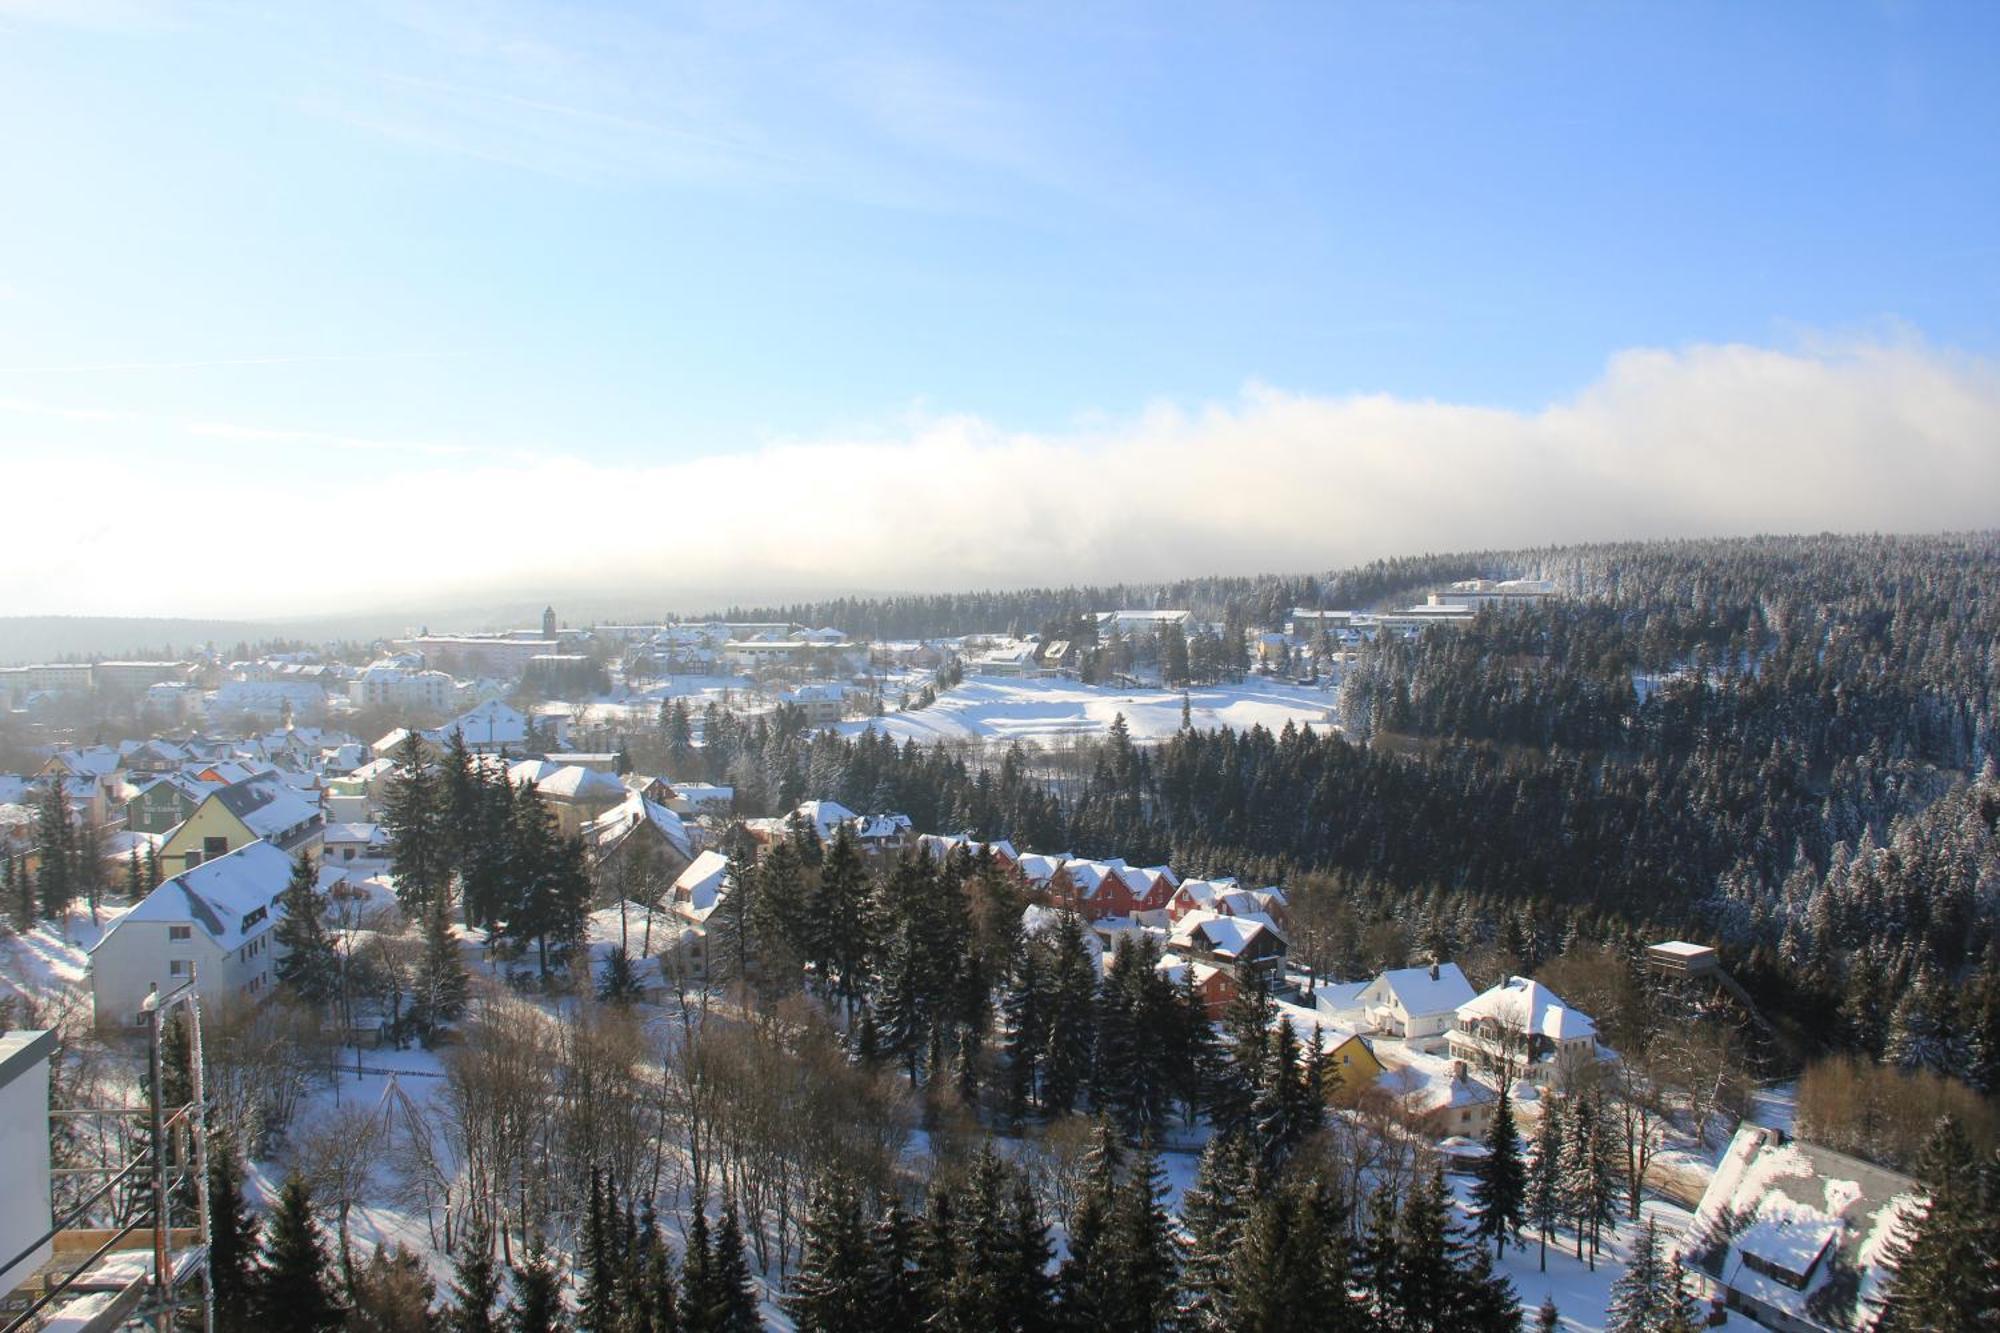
(261, 809)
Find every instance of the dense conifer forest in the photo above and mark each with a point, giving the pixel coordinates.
(1783, 745)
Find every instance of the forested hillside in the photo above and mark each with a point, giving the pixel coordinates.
(1785, 745)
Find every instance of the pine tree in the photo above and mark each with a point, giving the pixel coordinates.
(1639, 1298)
(1143, 1248)
(1072, 1015)
(617, 983)
(834, 1288)
(842, 920)
(735, 1309)
(537, 1306)
(134, 886)
(1213, 1213)
(1425, 1279)
(598, 1257)
(1291, 1271)
(307, 963)
(1376, 1260)
(475, 1287)
(891, 1282)
(1025, 1007)
(441, 990)
(1499, 1193)
(232, 1246)
(699, 1300)
(55, 867)
(413, 815)
(649, 1300)
(1938, 1273)
(1487, 1299)
(27, 908)
(295, 1288)
(1544, 1204)
(1547, 1318)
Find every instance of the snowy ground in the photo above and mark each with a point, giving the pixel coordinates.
(990, 708)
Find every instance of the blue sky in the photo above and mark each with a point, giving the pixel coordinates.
(281, 245)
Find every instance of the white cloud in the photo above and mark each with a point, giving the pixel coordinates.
(1705, 440)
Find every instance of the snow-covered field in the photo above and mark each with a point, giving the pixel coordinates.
(989, 708)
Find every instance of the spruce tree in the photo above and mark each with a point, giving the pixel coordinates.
(1425, 1281)
(1026, 1010)
(892, 1284)
(1499, 1191)
(1143, 1246)
(735, 1308)
(1072, 1017)
(537, 1306)
(55, 853)
(1544, 1204)
(617, 983)
(307, 963)
(1213, 1212)
(1941, 1263)
(21, 899)
(1640, 1299)
(842, 920)
(699, 1299)
(1376, 1260)
(599, 1259)
(413, 815)
(391, 1293)
(834, 1288)
(295, 1290)
(232, 1246)
(441, 990)
(1547, 1318)
(1487, 1299)
(475, 1287)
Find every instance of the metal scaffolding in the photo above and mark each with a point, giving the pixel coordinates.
(173, 1156)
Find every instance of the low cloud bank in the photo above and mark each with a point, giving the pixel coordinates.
(1701, 441)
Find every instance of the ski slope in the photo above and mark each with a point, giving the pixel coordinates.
(986, 708)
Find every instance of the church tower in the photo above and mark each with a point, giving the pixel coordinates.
(548, 622)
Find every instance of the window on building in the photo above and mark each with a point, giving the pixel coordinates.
(177, 967)
(214, 847)
(179, 932)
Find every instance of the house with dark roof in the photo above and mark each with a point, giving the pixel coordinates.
(259, 809)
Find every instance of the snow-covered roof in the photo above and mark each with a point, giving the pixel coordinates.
(1523, 1005)
(613, 826)
(1680, 949)
(1428, 1083)
(219, 896)
(1434, 989)
(267, 807)
(1228, 936)
(1036, 919)
(1775, 1208)
(825, 817)
(701, 885)
(573, 782)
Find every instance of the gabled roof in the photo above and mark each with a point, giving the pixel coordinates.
(1227, 936)
(610, 829)
(573, 782)
(701, 886)
(1528, 1006)
(267, 807)
(825, 817)
(217, 895)
(1417, 991)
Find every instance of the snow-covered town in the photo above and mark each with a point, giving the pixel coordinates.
(999, 668)
(368, 928)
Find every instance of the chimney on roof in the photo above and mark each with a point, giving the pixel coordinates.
(1434, 970)
(1458, 1071)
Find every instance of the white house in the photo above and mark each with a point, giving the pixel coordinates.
(1522, 1029)
(216, 919)
(1418, 1004)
